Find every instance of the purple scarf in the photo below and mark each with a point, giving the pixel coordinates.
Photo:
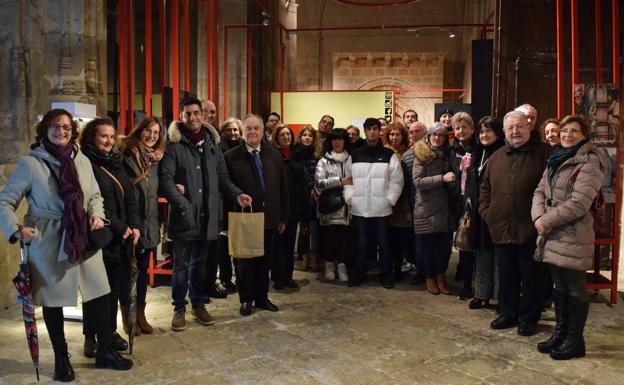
(194, 137)
(74, 220)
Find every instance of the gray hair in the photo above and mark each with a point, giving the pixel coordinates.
(525, 108)
(462, 116)
(515, 114)
(256, 116)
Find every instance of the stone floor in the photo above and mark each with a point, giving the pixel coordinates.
(328, 333)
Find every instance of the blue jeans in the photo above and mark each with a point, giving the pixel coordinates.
(371, 233)
(189, 272)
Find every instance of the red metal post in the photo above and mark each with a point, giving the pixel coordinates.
(215, 48)
(225, 70)
(615, 17)
(249, 69)
(598, 41)
(163, 50)
(148, 58)
(130, 30)
(175, 58)
(209, 55)
(186, 45)
(121, 20)
(559, 58)
(575, 46)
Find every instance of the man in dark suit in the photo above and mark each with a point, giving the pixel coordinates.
(258, 170)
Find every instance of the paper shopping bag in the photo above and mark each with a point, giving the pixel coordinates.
(245, 234)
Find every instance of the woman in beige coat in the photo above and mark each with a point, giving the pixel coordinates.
(64, 203)
(562, 218)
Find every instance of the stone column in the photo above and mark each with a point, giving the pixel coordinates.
(49, 51)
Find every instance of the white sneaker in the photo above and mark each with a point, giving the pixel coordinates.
(342, 272)
(330, 275)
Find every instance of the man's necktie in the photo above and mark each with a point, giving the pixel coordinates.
(256, 158)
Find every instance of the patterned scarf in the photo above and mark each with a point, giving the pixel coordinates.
(74, 220)
(465, 163)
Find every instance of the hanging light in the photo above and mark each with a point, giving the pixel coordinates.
(451, 34)
(265, 19)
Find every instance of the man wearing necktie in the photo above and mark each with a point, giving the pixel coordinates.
(258, 170)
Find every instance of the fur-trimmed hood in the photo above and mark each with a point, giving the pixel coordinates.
(424, 153)
(174, 134)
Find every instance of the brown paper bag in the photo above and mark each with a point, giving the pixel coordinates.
(245, 234)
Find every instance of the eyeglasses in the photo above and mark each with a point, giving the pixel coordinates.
(516, 126)
(570, 131)
(64, 127)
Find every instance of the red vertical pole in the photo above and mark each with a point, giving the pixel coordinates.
(575, 46)
(559, 58)
(163, 45)
(598, 41)
(130, 23)
(281, 75)
(209, 55)
(121, 19)
(615, 17)
(249, 72)
(175, 58)
(148, 58)
(215, 48)
(225, 64)
(186, 43)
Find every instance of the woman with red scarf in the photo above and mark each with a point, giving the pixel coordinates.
(64, 204)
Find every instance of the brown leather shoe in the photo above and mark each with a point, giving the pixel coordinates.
(432, 287)
(124, 321)
(441, 278)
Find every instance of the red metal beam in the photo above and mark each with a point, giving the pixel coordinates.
(163, 52)
(175, 59)
(249, 69)
(575, 46)
(186, 45)
(382, 27)
(148, 58)
(215, 36)
(209, 56)
(615, 21)
(130, 29)
(121, 20)
(598, 40)
(559, 58)
(225, 71)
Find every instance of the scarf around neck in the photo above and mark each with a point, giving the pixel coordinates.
(560, 155)
(74, 220)
(193, 137)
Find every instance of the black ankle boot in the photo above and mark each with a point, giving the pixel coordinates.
(63, 370)
(110, 358)
(574, 343)
(561, 326)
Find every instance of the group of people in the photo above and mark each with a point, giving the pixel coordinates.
(393, 197)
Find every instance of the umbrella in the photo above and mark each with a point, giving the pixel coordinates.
(23, 284)
(132, 298)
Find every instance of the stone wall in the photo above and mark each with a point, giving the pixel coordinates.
(400, 71)
(49, 51)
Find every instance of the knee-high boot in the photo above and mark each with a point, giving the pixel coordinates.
(561, 327)
(574, 343)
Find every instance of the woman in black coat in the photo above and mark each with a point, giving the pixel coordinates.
(120, 207)
(298, 193)
(491, 138)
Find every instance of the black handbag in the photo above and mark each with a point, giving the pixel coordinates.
(97, 240)
(330, 200)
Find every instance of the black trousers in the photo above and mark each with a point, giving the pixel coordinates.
(95, 313)
(334, 243)
(467, 261)
(284, 253)
(401, 246)
(521, 282)
(252, 275)
(113, 272)
(225, 262)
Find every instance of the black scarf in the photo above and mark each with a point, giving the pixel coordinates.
(109, 160)
(560, 155)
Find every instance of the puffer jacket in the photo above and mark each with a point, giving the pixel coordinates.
(402, 212)
(377, 181)
(195, 214)
(431, 201)
(563, 207)
(327, 176)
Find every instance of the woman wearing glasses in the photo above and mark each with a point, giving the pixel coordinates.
(64, 204)
(562, 218)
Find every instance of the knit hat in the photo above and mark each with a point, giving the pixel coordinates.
(445, 111)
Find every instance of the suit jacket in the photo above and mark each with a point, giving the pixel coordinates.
(274, 201)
